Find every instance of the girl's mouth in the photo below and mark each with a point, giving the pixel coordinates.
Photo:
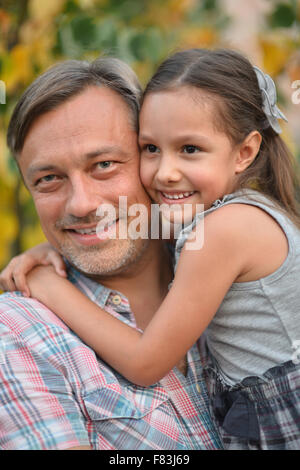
(176, 197)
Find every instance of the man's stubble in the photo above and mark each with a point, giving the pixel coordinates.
(115, 257)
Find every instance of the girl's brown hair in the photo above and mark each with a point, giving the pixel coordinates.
(227, 74)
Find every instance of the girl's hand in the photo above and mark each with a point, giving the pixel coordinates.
(13, 277)
(43, 281)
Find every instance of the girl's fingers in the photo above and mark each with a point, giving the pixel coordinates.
(56, 260)
(13, 277)
(19, 277)
(7, 284)
(6, 277)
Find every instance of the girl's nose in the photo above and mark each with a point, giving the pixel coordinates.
(168, 172)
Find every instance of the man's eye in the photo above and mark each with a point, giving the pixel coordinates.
(105, 164)
(46, 179)
(190, 149)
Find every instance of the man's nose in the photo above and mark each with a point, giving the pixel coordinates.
(82, 198)
(168, 171)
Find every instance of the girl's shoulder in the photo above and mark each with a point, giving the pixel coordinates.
(247, 223)
(255, 230)
(246, 207)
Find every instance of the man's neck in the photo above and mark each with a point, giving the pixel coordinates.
(145, 284)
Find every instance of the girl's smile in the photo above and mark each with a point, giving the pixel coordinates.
(178, 197)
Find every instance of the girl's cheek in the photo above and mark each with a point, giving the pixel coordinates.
(146, 173)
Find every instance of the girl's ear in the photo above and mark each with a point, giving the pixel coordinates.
(247, 151)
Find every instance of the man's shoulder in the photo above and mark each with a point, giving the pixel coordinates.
(18, 312)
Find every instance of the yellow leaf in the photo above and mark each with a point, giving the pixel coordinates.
(41, 9)
(144, 70)
(276, 51)
(31, 236)
(9, 226)
(5, 174)
(199, 37)
(166, 15)
(91, 3)
(8, 232)
(178, 8)
(17, 67)
(41, 49)
(24, 194)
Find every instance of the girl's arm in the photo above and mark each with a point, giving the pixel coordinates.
(13, 277)
(201, 282)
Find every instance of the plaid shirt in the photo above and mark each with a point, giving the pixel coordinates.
(55, 393)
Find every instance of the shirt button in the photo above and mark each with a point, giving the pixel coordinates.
(116, 299)
(198, 388)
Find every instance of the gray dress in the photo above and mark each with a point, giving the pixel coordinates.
(253, 371)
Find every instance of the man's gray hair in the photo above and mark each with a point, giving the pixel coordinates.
(65, 80)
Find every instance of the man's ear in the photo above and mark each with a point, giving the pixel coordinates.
(247, 151)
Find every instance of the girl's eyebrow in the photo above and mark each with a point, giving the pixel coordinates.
(144, 137)
(192, 137)
(181, 137)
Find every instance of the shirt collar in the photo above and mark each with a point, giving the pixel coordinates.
(97, 292)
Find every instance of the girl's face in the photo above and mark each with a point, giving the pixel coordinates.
(184, 158)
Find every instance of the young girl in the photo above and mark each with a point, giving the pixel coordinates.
(209, 135)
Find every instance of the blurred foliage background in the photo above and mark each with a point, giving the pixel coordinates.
(34, 34)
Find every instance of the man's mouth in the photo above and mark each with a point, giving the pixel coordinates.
(92, 235)
(84, 231)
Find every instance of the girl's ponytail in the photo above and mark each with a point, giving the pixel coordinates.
(274, 173)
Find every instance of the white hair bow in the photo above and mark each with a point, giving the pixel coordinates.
(269, 98)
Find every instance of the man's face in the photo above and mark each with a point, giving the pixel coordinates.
(75, 158)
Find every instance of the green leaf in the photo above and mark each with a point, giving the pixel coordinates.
(209, 4)
(283, 16)
(84, 31)
(3, 108)
(12, 166)
(130, 9)
(123, 46)
(125, 9)
(106, 34)
(66, 44)
(147, 45)
(71, 7)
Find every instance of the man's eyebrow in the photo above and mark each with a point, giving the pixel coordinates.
(89, 155)
(104, 150)
(36, 168)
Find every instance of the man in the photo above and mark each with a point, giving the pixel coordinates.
(74, 135)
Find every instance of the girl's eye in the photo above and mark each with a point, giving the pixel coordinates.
(190, 149)
(151, 148)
